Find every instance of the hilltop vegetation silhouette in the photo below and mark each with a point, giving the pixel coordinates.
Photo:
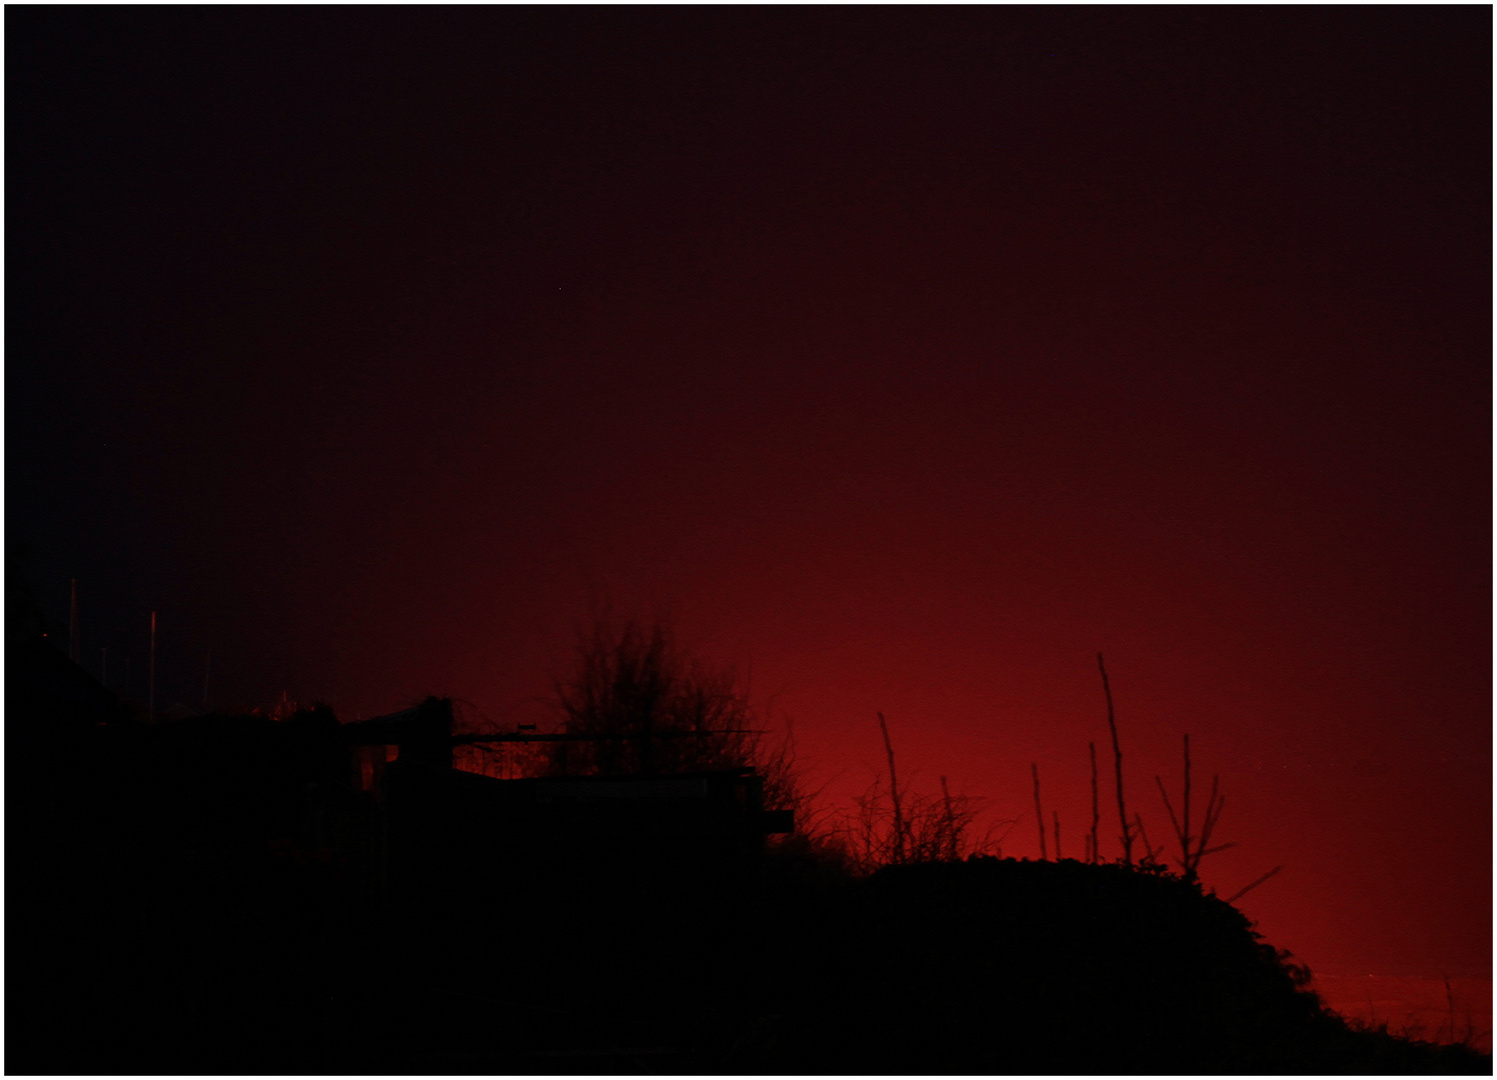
(236, 894)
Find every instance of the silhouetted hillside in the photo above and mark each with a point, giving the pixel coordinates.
(1003, 966)
(230, 894)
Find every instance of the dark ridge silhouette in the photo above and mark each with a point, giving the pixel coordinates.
(1004, 966)
(235, 894)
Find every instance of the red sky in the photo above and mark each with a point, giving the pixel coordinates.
(904, 358)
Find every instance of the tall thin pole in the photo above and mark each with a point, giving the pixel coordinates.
(74, 645)
(1117, 756)
(151, 680)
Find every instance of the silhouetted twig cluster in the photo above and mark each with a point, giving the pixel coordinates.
(928, 828)
(893, 827)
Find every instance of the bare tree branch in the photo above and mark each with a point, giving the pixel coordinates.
(1117, 754)
(1253, 885)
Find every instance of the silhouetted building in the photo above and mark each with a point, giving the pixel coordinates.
(209, 885)
(446, 835)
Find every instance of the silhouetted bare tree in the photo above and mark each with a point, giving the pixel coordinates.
(1193, 847)
(652, 709)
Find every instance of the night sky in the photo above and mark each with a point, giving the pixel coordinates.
(904, 358)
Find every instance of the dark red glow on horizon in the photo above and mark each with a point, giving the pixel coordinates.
(903, 358)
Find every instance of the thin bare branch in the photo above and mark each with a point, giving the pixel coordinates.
(899, 827)
(949, 822)
(1144, 836)
(1185, 837)
(1096, 815)
(1039, 814)
(1117, 754)
(1175, 822)
(1252, 885)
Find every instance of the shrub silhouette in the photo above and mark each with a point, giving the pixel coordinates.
(638, 704)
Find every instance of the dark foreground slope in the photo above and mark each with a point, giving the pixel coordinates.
(985, 966)
(207, 897)
(1001, 966)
